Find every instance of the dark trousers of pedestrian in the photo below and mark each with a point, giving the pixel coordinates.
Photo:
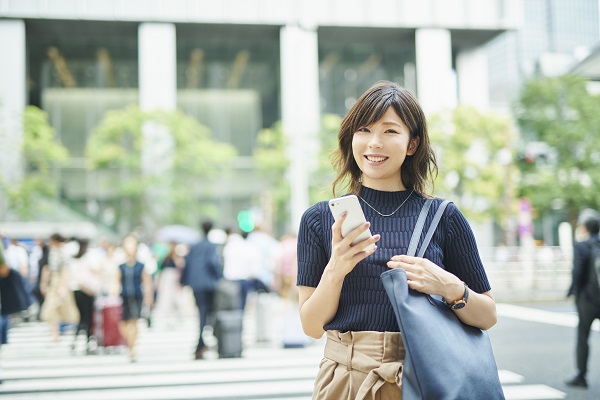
(250, 285)
(204, 302)
(588, 312)
(85, 305)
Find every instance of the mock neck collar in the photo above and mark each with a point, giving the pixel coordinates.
(385, 199)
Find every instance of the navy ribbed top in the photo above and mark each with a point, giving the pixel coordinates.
(364, 305)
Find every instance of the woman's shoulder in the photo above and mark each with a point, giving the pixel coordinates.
(316, 210)
(314, 218)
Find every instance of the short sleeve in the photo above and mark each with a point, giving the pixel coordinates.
(312, 256)
(461, 256)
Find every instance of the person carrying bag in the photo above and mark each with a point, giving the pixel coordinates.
(385, 158)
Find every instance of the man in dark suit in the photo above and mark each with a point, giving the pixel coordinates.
(201, 272)
(586, 289)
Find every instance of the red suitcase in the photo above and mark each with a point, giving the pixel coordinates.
(107, 315)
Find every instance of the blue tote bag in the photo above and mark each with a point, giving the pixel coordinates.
(445, 358)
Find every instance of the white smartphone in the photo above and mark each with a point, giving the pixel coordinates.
(355, 217)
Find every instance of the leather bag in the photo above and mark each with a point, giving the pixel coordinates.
(445, 358)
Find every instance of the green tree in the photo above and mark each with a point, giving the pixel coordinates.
(271, 160)
(323, 176)
(41, 153)
(116, 145)
(475, 153)
(560, 113)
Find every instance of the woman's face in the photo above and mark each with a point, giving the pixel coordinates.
(380, 150)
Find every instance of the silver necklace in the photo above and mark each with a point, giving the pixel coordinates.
(394, 212)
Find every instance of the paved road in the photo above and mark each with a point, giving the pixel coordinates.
(533, 358)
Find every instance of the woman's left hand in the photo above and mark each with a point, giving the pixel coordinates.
(426, 277)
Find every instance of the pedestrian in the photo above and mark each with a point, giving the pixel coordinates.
(384, 156)
(136, 292)
(4, 320)
(17, 258)
(201, 273)
(586, 289)
(243, 264)
(59, 301)
(168, 298)
(85, 284)
(287, 267)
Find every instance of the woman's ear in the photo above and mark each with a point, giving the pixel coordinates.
(413, 146)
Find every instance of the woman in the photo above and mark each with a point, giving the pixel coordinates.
(168, 301)
(59, 301)
(384, 156)
(136, 290)
(85, 286)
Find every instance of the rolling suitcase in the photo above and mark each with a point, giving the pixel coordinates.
(228, 331)
(266, 303)
(105, 325)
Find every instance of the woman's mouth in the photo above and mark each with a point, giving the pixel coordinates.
(376, 159)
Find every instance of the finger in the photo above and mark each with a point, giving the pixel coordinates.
(361, 255)
(356, 232)
(415, 285)
(400, 264)
(336, 228)
(367, 244)
(405, 258)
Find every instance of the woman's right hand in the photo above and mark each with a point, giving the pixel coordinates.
(344, 254)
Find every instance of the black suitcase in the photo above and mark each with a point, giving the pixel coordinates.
(227, 296)
(228, 331)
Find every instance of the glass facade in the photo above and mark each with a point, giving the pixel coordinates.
(352, 59)
(551, 27)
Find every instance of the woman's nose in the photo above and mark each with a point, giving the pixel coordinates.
(375, 140)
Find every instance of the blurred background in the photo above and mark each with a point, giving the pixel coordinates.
(117, 117)
(150, 116)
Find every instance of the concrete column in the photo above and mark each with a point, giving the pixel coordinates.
(157, 91)
(435, 79)
(13, 93)
(157, 66)
(300, 109)
(472, 74)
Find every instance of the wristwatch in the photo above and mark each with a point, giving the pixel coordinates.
(460, 303)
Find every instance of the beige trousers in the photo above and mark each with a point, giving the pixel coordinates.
(361, 366)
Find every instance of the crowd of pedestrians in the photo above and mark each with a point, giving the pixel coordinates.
(70, 277)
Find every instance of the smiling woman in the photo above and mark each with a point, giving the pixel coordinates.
(385, 158)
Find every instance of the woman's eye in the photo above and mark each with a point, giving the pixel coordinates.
(362, 130)
(391, 131)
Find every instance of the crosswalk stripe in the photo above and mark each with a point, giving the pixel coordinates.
(34, 367)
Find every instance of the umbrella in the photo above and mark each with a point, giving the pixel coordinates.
(177, 233)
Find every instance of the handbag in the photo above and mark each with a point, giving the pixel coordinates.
(446, 359)
(15, 294)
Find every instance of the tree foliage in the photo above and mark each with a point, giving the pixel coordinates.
(117, 144)
(271, 160)
(561, 113)
(41, 152)
(474, 152)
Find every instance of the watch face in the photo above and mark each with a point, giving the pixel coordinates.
(460, 304)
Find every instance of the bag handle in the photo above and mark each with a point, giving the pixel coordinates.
(416, 235)
(434, 223)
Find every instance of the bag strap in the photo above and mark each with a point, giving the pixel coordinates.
(434, 223)
(416, 235)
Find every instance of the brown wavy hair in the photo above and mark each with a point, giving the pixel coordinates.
(418, 171)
